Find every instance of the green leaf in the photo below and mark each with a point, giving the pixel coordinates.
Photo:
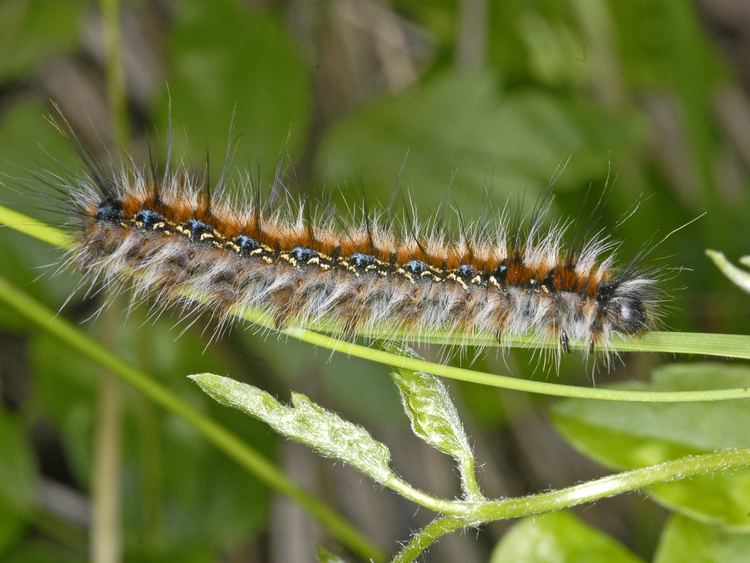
(433, 416)
(558, 538)
(325, 556)
(684, 539)
(304, 422)
(624, 436)
(740, 277)
(18, 477)
(435, 420)
(225, 60)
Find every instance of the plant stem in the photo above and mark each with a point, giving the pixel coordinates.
(115, 77)
(427, 536)
(106, 524)
(417, 496)
(469, 482)
(220, 437)
(513, 383)
(673, 470)
(474, 513)
(489, 510)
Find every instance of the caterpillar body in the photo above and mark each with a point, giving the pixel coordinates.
(173, 237)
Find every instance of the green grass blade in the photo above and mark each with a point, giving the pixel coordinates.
(34, 228)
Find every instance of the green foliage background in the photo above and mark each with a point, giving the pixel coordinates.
(359, 96)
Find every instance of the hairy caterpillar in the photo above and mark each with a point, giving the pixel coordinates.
(174, 237)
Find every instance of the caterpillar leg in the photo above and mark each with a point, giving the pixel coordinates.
(565, 342)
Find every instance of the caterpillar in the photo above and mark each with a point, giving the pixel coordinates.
(175, 235)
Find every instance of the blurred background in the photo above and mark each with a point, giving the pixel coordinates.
(651, 97)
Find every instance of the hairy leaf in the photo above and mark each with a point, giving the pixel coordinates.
(435, 420)
(304, 422)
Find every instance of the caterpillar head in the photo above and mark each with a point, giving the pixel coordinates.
(626, 304)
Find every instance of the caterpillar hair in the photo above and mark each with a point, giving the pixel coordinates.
(174, 236)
